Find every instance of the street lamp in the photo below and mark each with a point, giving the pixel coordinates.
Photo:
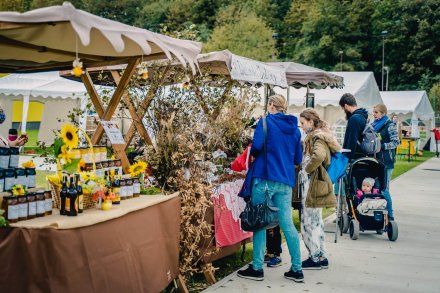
(388, 71)
(340, 54)
(383, 34)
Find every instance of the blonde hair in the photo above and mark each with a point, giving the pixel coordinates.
(310, 114)
(279, 102)
(381, 108)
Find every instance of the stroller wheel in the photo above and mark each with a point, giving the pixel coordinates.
(344, 223)
(392, 231)
(354, 229)
(380, 232)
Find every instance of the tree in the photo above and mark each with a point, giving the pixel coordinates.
(315, 32)
(246, 36)
(153, 14)
(434, 94)
(412, 44)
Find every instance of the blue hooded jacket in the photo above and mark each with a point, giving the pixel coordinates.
(283, 151)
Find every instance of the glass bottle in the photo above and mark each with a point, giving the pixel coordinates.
(80, 194)
(48, 202)
(117, 187)
(72, 194)
(10, 205)
(136, 187)
(31, 180)
(22, 208)
(129, 187)
(2, 180)
(32, 205)
(41, 203)
(63, 195)
(13, 158)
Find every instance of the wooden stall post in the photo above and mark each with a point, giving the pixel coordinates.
(113, 104)
(181, 285)
(143, 107)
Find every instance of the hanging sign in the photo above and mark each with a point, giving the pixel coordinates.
(113, 132)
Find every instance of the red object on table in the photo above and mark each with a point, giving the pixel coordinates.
(227, 229)
(241, 163)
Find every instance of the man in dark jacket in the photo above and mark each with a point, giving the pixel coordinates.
(357, 120)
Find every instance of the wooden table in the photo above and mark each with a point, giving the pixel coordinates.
(132, 248)
(410, 140)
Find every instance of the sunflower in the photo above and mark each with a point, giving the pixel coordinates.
(69, 136)
(137, 168)
(65, 154)
(28, 164)
(87, 176)
(81, 166)
(17, 190)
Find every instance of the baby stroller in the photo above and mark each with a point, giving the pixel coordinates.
(368, 213)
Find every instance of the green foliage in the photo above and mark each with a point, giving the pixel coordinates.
(57, 144)
(12, 5)
(3, 222)
(247, 36)
(309, 32)
(434, 93)
(153, 14)
(151, 191)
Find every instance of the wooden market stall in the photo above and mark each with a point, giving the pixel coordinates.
(96, 251)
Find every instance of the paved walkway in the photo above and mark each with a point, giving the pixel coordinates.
(372, 263)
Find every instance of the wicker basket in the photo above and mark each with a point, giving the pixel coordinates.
(88, 201)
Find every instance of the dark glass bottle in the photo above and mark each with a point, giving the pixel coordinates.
(63, 195)
(72, 194)
(80, 194)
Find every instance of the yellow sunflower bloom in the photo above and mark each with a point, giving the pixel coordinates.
(69, 135)
(87, 176)
(65, 154)
(137, 168)
(28, 164)
(81, 166)
(18, 190)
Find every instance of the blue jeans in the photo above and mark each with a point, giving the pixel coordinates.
(281, 195)
(386, 192)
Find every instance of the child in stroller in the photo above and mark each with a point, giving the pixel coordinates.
(367, 208)
(367, 187)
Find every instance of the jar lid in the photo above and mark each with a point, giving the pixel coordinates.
(20, 171)
(10, 172)
(13, 131)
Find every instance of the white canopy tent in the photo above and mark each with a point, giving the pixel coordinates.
(414, 105)
(58, 94)
(361, 84)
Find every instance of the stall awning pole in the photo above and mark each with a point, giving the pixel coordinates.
(25, 113)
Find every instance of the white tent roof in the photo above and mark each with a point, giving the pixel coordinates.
(361, 84)
(44, 84)
(405, 102)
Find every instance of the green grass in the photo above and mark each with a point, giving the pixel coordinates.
(41, 178)
(402, 165)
